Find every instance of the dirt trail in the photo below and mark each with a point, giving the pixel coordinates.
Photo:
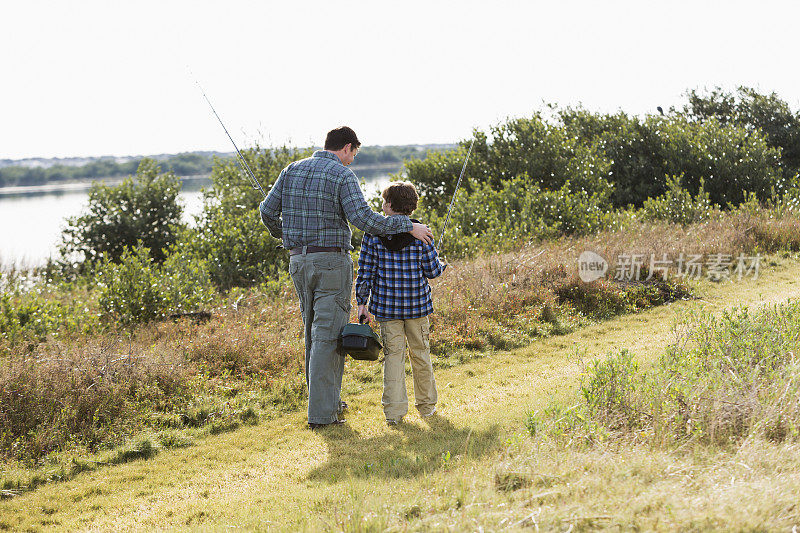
(276, 474)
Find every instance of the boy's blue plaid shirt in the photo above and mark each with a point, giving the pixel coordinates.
(396, 281)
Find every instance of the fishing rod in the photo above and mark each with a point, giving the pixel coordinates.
(242, 161)
(455, 193)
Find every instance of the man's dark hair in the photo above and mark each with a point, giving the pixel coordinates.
(338, 139)
(402, 196)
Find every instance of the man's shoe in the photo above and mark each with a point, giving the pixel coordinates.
(429, 414)
(394, 421)
(320, 426)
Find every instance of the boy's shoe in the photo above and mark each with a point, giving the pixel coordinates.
(394, 421)
(429, 414)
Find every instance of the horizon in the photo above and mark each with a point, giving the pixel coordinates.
(102, 80)
(230, 152)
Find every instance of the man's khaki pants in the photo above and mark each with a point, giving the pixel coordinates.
(394, 334)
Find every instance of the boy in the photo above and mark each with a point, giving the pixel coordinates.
(393, 273)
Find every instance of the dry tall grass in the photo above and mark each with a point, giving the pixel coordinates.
(101, 387)
(83, 394)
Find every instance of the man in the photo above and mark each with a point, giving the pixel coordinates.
(309, 207)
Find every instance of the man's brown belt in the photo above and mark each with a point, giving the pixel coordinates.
(313, 249)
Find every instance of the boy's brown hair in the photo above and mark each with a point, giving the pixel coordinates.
(402, 196)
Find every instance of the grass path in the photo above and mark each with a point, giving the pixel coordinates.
(279, 475)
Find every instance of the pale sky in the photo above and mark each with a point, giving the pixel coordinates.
(91, 78)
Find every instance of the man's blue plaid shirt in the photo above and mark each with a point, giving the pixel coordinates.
(396, 283)
(313, 199)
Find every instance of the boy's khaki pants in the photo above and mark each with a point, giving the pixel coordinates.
(394, 334)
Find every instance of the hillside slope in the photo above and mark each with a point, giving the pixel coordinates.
(366, 476)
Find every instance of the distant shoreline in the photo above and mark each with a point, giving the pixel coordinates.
(30, 176)
(79, 185)
(83, 185)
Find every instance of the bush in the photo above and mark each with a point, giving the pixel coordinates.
(142, 208)
(603, 298)
(729, 378)
(490, 219)
(753, 111)
(727, 157)
(435, 176)
(230, 237)
(678, 205)
(623, 155)
(608, 388)
(185, 282)
(732, 375)
(29, 317)
(137, 290)
(636, 164)
(543, 152)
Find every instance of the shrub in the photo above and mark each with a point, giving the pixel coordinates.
(230, 237)
(603, 298)
(490, 219)
(730, 372)
(727, 379)
(29, 317)
(543, 152)
(678, 205)
(185, 281)
(142, 208)
(787, 202)
(592, 150)
(754, 111)
(137, 290)
(636, 166)
(727, 157)
(435, 176)
(608, 388)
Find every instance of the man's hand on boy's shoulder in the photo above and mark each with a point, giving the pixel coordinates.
(422, 232)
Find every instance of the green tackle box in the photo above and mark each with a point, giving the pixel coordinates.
(360, 342)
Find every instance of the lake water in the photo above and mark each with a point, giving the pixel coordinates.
(31, 219)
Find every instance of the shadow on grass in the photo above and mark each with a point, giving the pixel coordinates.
(408, 450)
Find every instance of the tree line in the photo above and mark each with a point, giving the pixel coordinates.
(185, 164)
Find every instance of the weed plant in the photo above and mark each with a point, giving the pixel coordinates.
(727, 379)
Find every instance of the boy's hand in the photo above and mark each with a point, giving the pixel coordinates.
(362, 311)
